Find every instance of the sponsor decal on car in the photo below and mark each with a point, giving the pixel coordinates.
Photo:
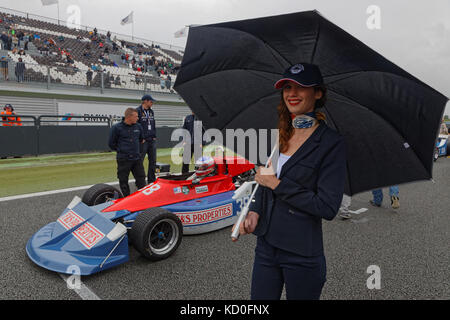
(177, 190)
(70, 220)
(185, 189)
(206, 216)
(201, 189)
(88, 235)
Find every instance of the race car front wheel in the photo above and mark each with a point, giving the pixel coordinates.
(156, 233)
(100, 193)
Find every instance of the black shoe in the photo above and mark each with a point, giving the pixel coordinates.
(375, 204)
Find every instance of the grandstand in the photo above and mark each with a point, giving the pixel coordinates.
(57, 54)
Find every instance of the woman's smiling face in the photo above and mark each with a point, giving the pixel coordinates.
(298, 99)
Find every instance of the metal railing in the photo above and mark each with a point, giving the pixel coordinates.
(62, 74)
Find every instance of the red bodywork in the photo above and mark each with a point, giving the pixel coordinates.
(164, 191)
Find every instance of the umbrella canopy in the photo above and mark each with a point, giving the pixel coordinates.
(389, 118)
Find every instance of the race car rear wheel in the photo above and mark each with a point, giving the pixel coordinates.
(100, 193)
(156, 233)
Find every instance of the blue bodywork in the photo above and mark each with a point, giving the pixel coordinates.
(87, 240)
(442, 145)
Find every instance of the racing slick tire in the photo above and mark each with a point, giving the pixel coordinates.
(100, 193)
(436, 154)
(156, 233)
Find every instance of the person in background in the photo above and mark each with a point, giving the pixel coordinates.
(4, 67)
(190, 123)
(393, 194)
(89, 74)
(146, 117)
(443, 130)
(20, 70)
(7, 117)
(125, 138)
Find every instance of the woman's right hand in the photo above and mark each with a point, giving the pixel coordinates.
(249, 224)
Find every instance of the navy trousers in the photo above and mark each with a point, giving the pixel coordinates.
(149, 148)
(303, 277)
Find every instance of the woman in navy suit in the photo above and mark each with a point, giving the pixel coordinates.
(307, 187)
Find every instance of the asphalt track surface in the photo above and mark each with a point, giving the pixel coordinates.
(410, 246)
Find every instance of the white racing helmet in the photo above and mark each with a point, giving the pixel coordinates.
(204, 166)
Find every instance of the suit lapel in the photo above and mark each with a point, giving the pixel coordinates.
(307, 147)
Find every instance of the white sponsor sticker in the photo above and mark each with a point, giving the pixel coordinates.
(201, 189)
(205, 216)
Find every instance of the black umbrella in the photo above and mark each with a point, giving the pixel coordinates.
(389, 118)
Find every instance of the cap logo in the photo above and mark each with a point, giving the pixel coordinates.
(297, 68)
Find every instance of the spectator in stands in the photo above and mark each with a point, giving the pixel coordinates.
(20, 70)
(162, 82)
(4, 67)
(146, 118)
(15, 42)
(126, 138)
(26, 40)
(168, 82)
(7, 119)
(9, 43)
(4, 38)
(108, 35)
(117, 81)
(89, 74)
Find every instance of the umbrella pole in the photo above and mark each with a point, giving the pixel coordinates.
(243, 215)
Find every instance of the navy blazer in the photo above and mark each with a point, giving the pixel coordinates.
(311, 189)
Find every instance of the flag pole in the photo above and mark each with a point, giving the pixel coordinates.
(132, 25)
(57, 5)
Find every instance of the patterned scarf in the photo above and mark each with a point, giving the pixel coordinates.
(304, 121)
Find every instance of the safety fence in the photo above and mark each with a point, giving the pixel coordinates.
(62, 75)
(22, 135)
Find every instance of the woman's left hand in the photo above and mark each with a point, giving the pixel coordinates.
(266, 177)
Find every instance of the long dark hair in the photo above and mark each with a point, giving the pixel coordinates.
(285, 121)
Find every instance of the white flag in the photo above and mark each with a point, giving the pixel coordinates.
(49, 2)
(127, 19)
(181, 33)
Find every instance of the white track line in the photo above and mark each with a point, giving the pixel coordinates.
(46, 193)
(83, 291)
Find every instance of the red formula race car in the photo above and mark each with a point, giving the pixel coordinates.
(92, 233)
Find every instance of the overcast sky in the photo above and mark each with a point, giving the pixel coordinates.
(414, 34)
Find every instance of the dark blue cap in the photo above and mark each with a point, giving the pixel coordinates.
(147, 97)
(304, 74)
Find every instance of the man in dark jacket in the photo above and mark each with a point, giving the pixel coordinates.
(125, 138)
(191, 147)
(147, 120)
(20, 70)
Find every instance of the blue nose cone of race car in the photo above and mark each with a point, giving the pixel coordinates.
(80, 242)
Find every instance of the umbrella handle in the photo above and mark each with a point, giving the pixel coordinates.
(243, 215)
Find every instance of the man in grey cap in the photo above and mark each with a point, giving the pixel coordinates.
(147, 121)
